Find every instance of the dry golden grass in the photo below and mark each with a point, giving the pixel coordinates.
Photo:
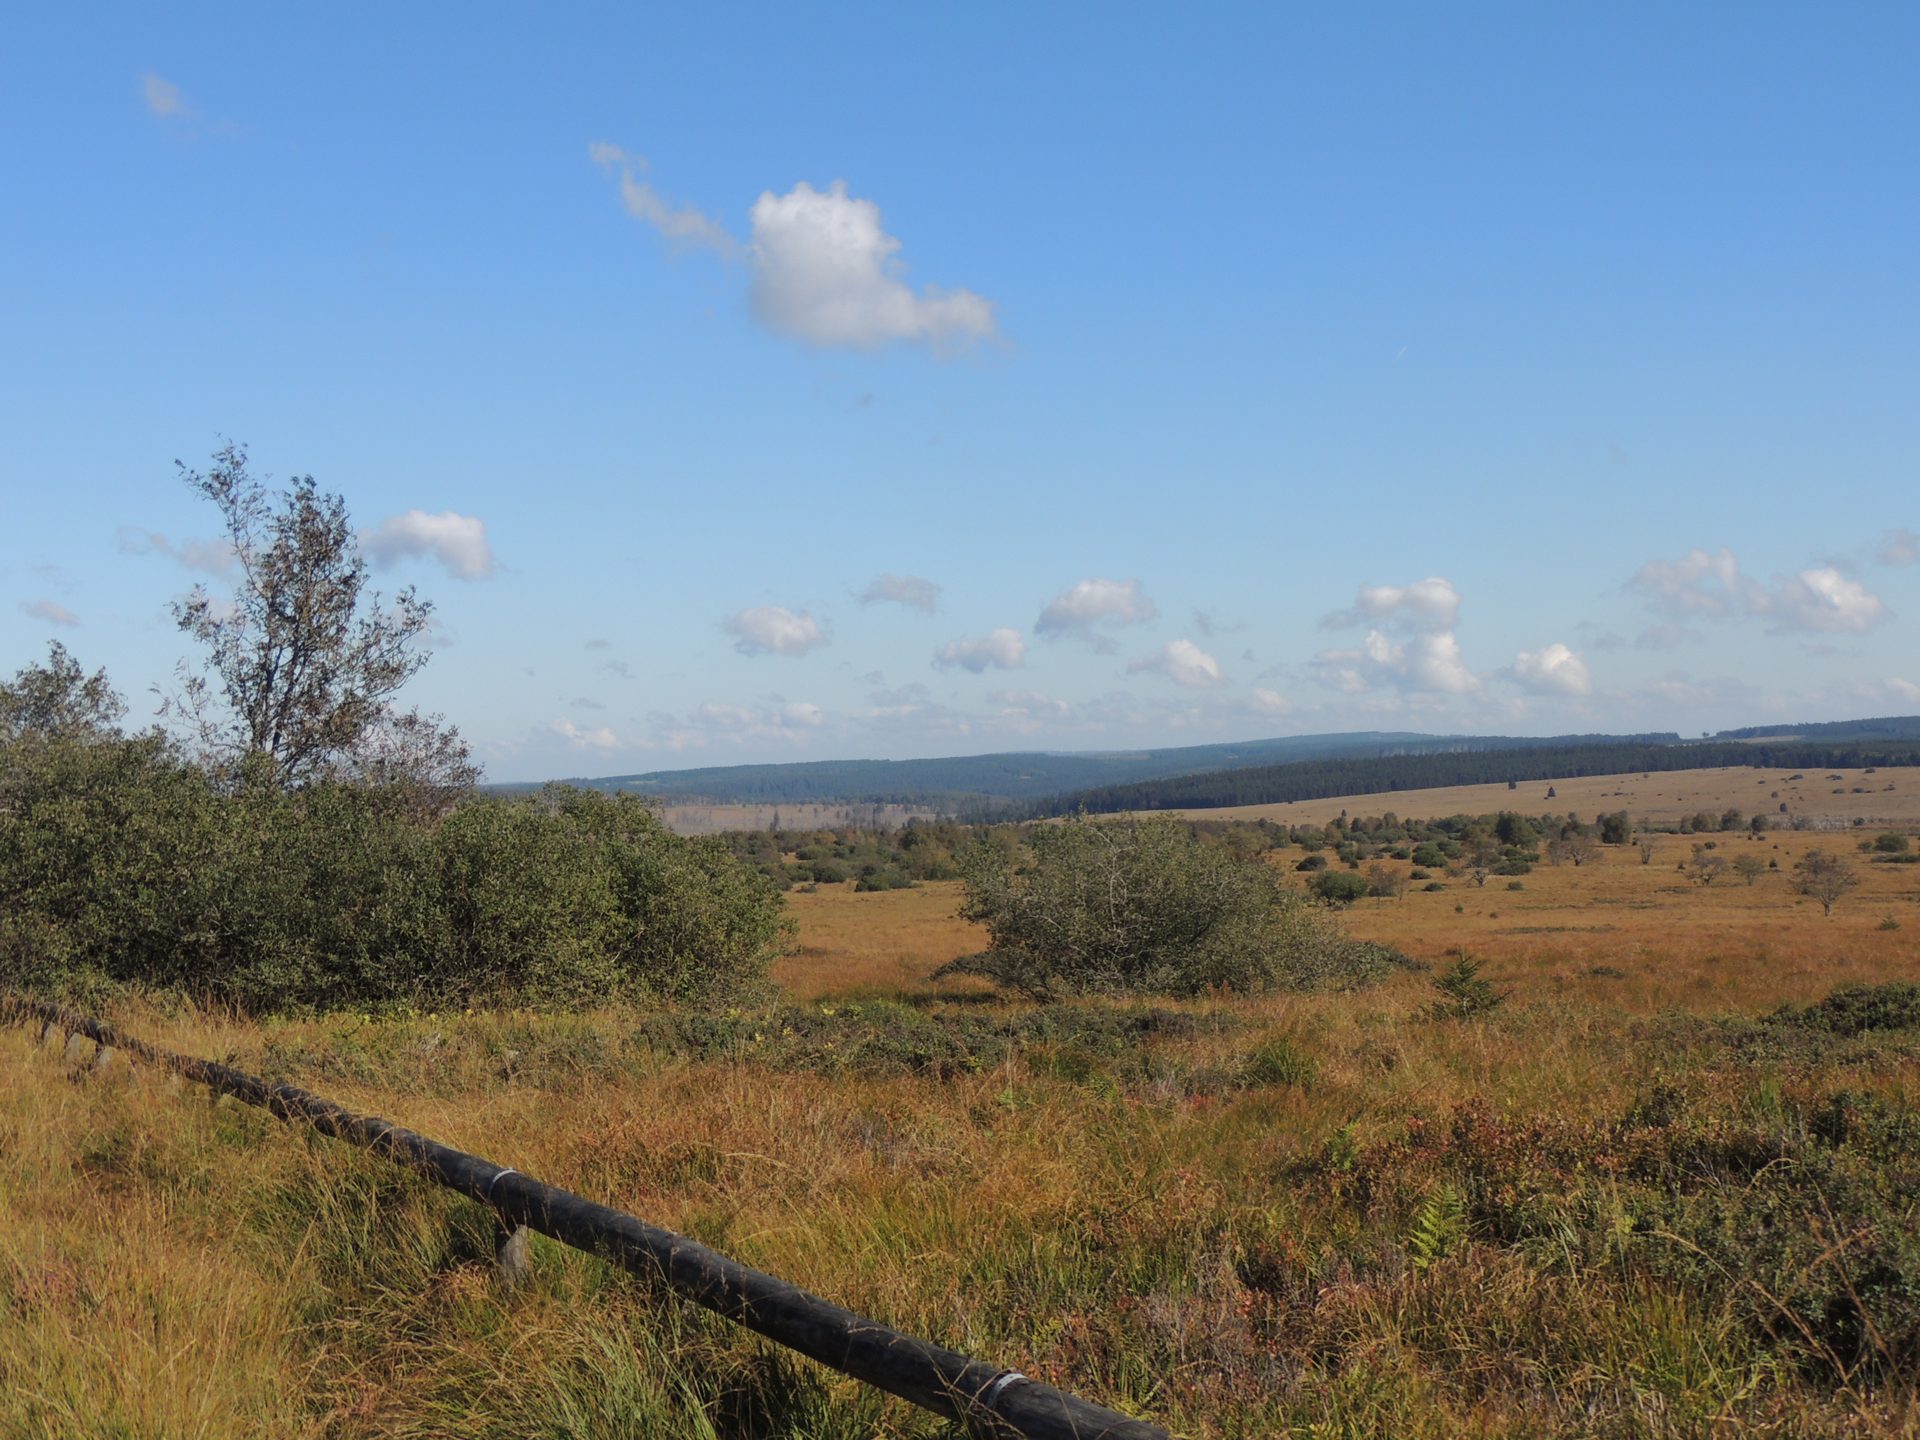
(1133, 1218)
(1885, 797)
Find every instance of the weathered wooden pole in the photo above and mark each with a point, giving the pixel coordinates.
(984, 1397)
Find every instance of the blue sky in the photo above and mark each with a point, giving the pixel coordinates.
(792, 382)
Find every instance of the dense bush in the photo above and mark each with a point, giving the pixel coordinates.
(122, 863)
(1145, 906)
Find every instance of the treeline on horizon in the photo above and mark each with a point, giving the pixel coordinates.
(1322, 779)
(981, 786)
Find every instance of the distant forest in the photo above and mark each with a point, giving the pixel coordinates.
(1319, 779)
(1887, 727)
(981, 784)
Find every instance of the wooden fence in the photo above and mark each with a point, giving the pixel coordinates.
(986, 1399)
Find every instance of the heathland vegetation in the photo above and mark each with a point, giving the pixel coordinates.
(1503, 1122)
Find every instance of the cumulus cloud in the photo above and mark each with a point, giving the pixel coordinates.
(1904, 690)
(1826, 600)
(1554, 670)
(909, 590)
(822, 268)
(1430, 604)
(1420, 655)
(213, 557)
(1091, 603)
(459, 542)
(163, 98)
(52, 611)
(1001, 649)
(1900, 547)
(826, 271)
(1704, 585)
(683, 225)
(775, 630)
(1182, 662)
(1427, 663)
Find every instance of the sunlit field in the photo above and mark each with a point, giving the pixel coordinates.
(1635, 1198)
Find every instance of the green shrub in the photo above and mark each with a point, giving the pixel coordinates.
(1339, 887)
(122, 864)
(1143, 907)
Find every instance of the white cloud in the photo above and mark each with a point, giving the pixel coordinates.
(1900, 547)
(213, 557)
(822, 267)
(1427, 663)
(908, 590)
(775, 630)
(1095, 602)
(52, 611)
(1002, 649)
(827, 272)
(459, 542)
(1030, 706)
(1711, 586)
(1182, 662)
(682, 226)
(1904, 690)
(1269, 702)
(1826, 600)
(163, 97)
(600, 738)
(1554, 670)
(1430, 604)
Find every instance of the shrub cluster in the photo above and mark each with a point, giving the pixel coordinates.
(1143, 907)
(123, 863)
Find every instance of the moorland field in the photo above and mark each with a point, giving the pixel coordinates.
(1652, 1171)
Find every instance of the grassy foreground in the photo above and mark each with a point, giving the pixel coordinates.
(1633, 1200)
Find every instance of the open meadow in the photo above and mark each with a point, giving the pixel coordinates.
(1666, 1186)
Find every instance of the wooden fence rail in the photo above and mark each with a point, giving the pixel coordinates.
(983, 1397)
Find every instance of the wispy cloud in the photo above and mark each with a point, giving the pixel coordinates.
(909, 590)
(1182, 662)
(212, 557)
(1899, 547)
(163, 98)
(52, 611)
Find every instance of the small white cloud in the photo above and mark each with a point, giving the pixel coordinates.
(52, 611)
(599, 738)
(680, 226)
(1900, 547)
(1182, 662)
(1091, 603)
(1269, 702)
(457, 541)
(1904, 690)
(775, 630)
(1030, 706)
(1001, 649)
(213, 557)
(826, 271)
(1430, 604)
(163, 97)
(908, 590)
(1554, 670)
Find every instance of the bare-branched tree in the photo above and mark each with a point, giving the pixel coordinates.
(304, 660)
